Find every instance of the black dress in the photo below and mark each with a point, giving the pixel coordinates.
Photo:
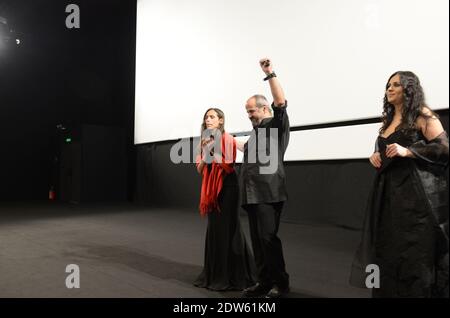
(228, 263)
(405, 231)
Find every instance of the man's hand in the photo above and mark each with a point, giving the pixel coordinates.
(275, 87)
(240, 145)
(266, 65)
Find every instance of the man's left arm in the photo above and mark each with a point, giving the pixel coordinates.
(275, 86)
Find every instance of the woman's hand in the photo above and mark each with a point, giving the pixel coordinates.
(395, 150)
(200, 166)
(207, 145)
(205, 142)
(375, 159)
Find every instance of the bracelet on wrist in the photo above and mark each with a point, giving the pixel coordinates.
(269, 76)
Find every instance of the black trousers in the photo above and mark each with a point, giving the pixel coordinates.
(264, 221)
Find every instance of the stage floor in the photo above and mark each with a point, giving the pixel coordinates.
(128, 250)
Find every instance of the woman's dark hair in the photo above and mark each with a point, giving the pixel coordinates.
(220, 114)
(413, 103)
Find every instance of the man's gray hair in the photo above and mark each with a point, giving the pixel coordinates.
(262, 101)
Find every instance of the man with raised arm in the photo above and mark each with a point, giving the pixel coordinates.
(263, 185)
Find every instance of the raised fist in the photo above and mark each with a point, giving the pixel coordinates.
(266, 65)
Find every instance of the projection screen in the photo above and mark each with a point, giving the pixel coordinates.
(332, 58)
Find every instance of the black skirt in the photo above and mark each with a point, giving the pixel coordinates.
(228, 262)
(406, 237)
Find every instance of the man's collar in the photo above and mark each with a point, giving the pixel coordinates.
(265, 121)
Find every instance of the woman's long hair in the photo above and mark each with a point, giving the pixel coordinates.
(413, 103)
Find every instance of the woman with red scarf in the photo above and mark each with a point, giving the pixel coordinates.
(228, 263)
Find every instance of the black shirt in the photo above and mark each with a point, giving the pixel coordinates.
(263, 180)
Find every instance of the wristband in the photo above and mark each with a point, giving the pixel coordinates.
(268, 77)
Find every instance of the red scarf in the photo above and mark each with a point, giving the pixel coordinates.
(212, 179)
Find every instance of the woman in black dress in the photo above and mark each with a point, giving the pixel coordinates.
(228, 262)
(405, 231)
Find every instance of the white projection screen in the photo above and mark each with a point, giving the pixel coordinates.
(332, 58)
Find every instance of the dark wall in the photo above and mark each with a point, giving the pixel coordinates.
(91, 165)
(319, 192)
(162, 183)
(59, 75)
(325, 192)
(104, 176)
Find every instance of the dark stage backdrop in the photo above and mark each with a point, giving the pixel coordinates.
(92, 166)
(63, 76)
(320, 192)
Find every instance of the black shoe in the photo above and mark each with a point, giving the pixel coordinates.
(277, 292)
(255, 291)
